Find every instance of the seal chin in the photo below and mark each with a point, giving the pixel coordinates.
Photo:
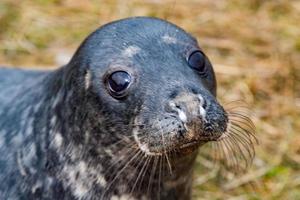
(178, 149)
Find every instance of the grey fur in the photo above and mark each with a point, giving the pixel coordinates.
(63, 136)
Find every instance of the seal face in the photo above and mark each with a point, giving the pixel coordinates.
(123, 119)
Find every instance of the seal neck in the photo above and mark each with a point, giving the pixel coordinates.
(178, 183)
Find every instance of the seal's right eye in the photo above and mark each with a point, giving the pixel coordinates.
(118, 83)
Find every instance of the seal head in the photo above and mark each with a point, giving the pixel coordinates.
(152, 76)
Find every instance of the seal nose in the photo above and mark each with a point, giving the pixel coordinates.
(187, 106)
(199, 113)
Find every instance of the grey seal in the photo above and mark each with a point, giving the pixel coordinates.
(124, 119)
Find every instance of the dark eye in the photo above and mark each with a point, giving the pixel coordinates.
(118, 83)
(196, 60)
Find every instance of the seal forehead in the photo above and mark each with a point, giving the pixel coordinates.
(138, 30)
(169, 39)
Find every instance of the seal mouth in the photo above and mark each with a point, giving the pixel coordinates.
(189, 144)
(189, 147)
(181, 147)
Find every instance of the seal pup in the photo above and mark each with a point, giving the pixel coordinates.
(124, 119)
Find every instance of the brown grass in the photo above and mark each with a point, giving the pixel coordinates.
(254, 46)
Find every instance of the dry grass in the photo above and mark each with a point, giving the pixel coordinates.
(254, 45)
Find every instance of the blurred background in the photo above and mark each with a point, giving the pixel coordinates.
(254, 46)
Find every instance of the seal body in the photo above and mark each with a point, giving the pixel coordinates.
(122, 120)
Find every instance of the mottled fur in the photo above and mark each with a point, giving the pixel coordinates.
(62, 136)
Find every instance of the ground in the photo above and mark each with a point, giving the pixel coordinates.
(254, 46)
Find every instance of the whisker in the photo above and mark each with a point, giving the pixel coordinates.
(247, 126)
(245, 143)
(169, 164)
(221, 150)
(235, 148)
(241, 153)
(225, 150)
(149, 159)
(140, 173)
(141, 161)
(120, 172)
(243, 133)
(121, 158)
(241, 116)
(231, 153)
(159, 176)
(237, 104)
(249, 133)
(154, 166)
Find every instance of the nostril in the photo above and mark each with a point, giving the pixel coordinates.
(170, 107)
(208, 129)
(203, 102)
(181, 131)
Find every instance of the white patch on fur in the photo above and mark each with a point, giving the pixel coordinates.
(202, 111)
(80, 191)
(20, 164)
(101, 180)
(58, 140)
(87, 79)
(2, 133)
(29, 128)
(17, 140)
(131, 51)
(169, 39)
(79, 186)
(36, 186)
(122, 197)
(108, 152)
(182, 115)
(172, 104)
(81, 177)
(87, 137)
(37, 106)
(53, 121)
(24, 116)
(145, 148)
(29, 155)
(57, 99)
(82, 167)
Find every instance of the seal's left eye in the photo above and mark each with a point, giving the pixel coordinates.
(196, 60)
(118, 82)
